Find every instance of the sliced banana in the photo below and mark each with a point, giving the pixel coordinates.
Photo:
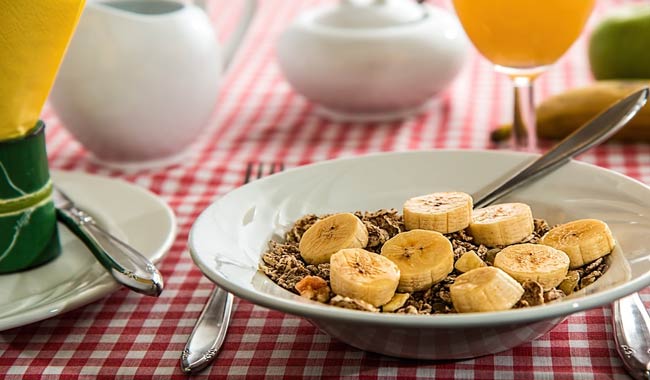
(423, 257)
(444, 212)
(502, 224)
(329, 235)
(485, 289)
(359, 274)
(570, 282)
(545, 265)
(583, 240)
(398, 300)
(468, 261)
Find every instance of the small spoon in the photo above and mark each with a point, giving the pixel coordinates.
(632, 335)
(127, 266)
(629, 316)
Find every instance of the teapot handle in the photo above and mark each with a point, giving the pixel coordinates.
(230, 47)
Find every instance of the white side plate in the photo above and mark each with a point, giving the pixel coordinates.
(75, 278)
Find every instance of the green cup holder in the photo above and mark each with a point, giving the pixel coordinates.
(28, 232)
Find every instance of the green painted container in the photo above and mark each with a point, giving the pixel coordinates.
(28, 232)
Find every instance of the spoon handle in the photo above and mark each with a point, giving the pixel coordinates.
(127, 266)
(209, 332)
(589, 135)
(632, 335)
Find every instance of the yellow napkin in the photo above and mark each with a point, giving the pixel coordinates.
(33, 37)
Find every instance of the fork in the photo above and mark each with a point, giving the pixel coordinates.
(210, 329)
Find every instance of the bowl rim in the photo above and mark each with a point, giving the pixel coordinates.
(318, 311)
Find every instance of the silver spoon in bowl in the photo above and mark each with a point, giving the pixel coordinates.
(630, 319)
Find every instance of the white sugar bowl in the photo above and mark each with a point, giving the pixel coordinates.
(372, 60)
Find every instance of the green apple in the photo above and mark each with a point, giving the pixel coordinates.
(619, 46)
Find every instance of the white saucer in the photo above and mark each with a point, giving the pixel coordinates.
(75, 278)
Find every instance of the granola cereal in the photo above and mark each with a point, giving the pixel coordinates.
(283, 264)
(354, 304)
(533, 294)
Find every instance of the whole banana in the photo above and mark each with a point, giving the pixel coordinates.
(561, 114)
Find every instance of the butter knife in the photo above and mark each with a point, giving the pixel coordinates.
(127, 266)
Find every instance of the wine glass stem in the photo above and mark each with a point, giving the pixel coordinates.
(523, 124)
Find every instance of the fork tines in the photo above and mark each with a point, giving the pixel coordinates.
(257, 170)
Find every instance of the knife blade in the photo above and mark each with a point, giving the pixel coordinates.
(127, 266)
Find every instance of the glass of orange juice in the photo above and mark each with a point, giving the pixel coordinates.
(522, 38)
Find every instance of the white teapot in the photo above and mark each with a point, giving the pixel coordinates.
(373, 59)
(140, 79)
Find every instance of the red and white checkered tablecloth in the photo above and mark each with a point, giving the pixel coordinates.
(260, 118)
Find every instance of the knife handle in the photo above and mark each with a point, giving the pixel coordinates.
(127, 266)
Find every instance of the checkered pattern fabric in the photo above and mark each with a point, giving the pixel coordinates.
(259, 118)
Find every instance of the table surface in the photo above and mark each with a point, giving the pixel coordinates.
(260, 119)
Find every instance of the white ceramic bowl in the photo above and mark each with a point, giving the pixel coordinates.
(355, 71)
(229, 237)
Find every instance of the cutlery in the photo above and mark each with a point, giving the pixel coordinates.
(210, 329)
(630, 318)
(127, 266)
(632, 335)
(587, 136)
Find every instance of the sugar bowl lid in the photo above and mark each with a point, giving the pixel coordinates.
(371, 14)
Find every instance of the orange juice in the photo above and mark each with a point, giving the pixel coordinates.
(523, 34)
(33, 37)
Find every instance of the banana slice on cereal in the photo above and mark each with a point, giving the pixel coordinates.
(501, 224)
(468, 261)
(398, 300)
(444, 212)
(523, 262)
(329, 235)
(583, 240)
(484, 289)
(423, 257)
(360, 274)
